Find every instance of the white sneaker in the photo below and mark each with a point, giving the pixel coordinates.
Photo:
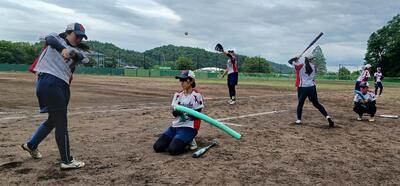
(232, 102)
(298, 121)
(359, 118)
(34, 153)
(372, 119)
(74, 164)
(193, 145)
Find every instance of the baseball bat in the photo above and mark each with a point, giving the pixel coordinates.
(203, 150)
(389, 116)
(312, 42)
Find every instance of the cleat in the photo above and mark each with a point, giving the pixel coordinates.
(74, 164)
(34, 153)
(193, 145)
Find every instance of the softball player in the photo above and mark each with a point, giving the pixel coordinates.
(232, 71)
(178, 137)
(365, 74)
(305, 72)
(378, 77)
(365, 104)
(54, 68)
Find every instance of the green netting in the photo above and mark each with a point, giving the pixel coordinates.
(172, 73)
(14, 67)
(100, 71)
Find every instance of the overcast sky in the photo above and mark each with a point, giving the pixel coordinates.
(274, 29)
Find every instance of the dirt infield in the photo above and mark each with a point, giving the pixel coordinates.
(114, 121)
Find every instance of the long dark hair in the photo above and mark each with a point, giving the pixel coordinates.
(192, 80)
(309, 69)
(81, 45)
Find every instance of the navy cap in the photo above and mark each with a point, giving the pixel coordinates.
(78, 29)
(363, 85)
(186, 74)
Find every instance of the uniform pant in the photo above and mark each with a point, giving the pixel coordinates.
(232, 82)
(377, 86)
(311, 93)
(175, 140)
(357, 86)
(53, 96)
(369, 108)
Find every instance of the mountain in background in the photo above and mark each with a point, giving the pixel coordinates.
(109, 55)
(167, 55)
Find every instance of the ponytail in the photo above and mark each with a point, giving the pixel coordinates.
(309, 69)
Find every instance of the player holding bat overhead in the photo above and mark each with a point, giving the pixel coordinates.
(306, 87)
(232, 71)
(54, 68)
(177, 138)
(364, 102)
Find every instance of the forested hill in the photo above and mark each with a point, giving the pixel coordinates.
(165, 55)
(25, 53)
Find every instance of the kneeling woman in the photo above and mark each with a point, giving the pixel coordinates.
(177, 138)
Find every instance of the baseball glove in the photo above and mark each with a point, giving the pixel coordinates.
(219, 48)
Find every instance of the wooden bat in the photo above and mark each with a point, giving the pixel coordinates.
(203, 150)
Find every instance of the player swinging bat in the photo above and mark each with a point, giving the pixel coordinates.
(305, 83)
(203, 150)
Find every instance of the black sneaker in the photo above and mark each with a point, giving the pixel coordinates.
(331, 123)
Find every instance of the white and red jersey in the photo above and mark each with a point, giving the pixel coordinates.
(378, 76)
(231, 65)
(303, 79)
(193, 101)
(364, 76)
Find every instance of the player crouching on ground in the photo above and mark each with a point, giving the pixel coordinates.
(365, 104)
(180, 135)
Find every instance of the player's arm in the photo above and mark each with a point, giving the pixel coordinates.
(54, 43)
(177, 113)
(225, 72)
(291, 61)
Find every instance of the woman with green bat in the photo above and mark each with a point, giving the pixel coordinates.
(179, 137)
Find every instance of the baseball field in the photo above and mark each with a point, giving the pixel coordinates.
(114, 121)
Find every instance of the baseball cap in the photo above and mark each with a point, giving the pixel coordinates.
(367, 66)
(186, 74)
(363, 85)
(77, 28)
